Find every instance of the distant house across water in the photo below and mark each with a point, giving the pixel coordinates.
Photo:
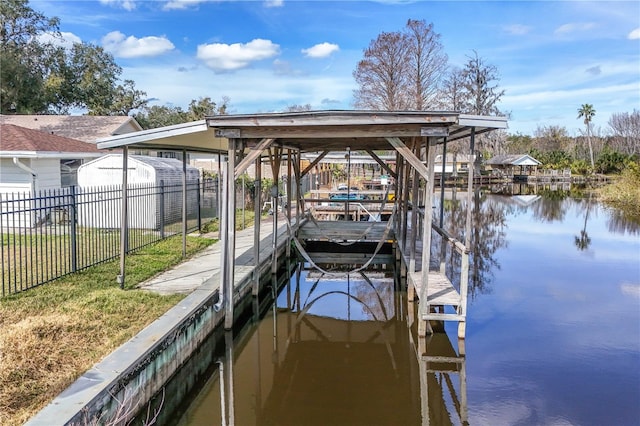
(516, 165)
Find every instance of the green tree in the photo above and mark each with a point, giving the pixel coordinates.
(588, 112)
(41, 77)
(518, 143)
(163, 115)
(199, 109)
(160, 115)
(22, 68)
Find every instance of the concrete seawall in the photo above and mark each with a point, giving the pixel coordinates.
(115, 389)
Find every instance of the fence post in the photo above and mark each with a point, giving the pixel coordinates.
(199, 203)
(162, 208)
(74, 230)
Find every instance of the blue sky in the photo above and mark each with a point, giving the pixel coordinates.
(552, 56)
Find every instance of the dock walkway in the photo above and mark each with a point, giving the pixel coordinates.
(205, 266)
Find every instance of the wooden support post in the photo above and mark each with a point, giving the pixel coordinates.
(257, 210)
(423, 326)
(414, 212)
(124, 216)
(406, 174)
(462, 329)
(184, 203)
(230, 252)
(398, 198)
(289, 199)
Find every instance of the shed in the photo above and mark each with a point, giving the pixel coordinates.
(155, 186)
(516, 165)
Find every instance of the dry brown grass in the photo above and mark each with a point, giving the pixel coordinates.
(51, 335)
(624, 193)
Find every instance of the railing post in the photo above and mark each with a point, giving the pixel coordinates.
(73, 215)
(162, 208)
(199, 203)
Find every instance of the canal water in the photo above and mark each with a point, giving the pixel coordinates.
(553, 334)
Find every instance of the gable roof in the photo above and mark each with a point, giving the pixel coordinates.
(85, 128)
(513, 160)
(16, 141)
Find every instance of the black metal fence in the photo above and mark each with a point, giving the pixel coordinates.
(57, 232)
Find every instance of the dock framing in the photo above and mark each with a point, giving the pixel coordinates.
(277, 138)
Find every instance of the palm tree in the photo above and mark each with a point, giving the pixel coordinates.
(587, 111)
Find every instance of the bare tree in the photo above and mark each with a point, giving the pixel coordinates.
(552, 138)
(298, 108)
(382, 74)
(401, 70)
(626, 131)
(480, 86)
(427, 61)
(452, 92)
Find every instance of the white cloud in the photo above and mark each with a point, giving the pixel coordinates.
(630, 289)
(284, 68)
(228, 57)
(65, 39)
(574, 27)
(252, 90)
(274, 3)
(124, 4)
(186, 4)
(321, 50)
(132, 47)
(517, 29)
(181, 4)
(634, 35)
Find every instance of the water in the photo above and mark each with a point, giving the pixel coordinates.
(553, 335)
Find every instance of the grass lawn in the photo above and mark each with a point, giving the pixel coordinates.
(51, 335)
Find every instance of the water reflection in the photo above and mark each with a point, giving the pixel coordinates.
(493, 207)
(334, 351)
(553, 334)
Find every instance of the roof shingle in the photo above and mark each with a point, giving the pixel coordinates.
(87, 128)
(16, 138)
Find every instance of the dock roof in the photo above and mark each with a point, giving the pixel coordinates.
(309, 131)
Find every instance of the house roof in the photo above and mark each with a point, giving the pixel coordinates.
(513, 160)
(16, 141)
(85, 128)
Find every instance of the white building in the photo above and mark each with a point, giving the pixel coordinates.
(32, 161)
(155, 191)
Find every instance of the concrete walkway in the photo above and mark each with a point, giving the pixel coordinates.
(205, 266)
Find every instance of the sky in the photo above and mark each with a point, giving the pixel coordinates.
(551, 56)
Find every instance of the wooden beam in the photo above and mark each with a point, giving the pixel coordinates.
(250, 158)
(313, 163)
(382, 163)
(410, 157)
(326, 132)
(275, 156)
